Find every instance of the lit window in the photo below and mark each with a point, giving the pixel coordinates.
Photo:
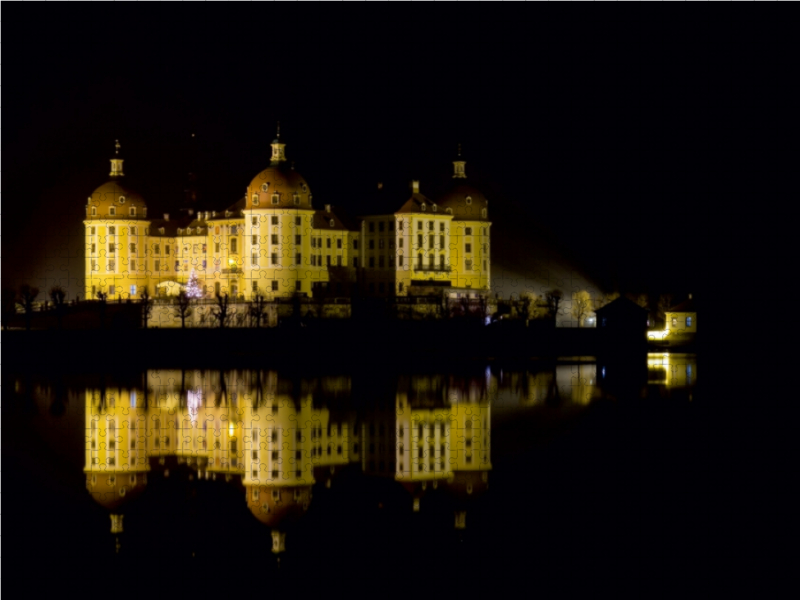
(275, 198)
(296, 199)
(468, 231)
(688, 321)
(255, 199)
(469, 200)
(674, 322)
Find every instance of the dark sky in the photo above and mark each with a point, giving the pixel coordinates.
(600, 143)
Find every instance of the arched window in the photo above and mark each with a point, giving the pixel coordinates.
(264, 187)
(94, 211)
(275, 198)
(483, 213)
(469, 200)
(122, 199)
(112, 211)
(255, 199)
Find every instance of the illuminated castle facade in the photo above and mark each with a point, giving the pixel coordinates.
(274, 243)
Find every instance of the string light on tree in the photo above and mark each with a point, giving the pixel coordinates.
(193, 287)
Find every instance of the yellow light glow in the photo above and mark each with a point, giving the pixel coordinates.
(230, 429)
(657, 335)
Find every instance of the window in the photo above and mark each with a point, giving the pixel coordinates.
(234, 246)
(372, 227)
(355, 263)
(177, 265)
(204, 248)
(255, 290)
(133, 264)
(254, 239)
(166, 250)
(441, 262)
(339, 244)
(430, 225)
(112, 211)
(469, 200)
(338, 261)
(419, 260)
(355, 244)
(372, 244)
(111, 248)
(688, 321)
(674, 322)
(419, 240)
(133, 248)
(133, 293)
(112, 290)
(94, 248)
(274, 220)
(328, 261)
(483, 213)
(298, 221)
(112, 230)
(468, 231)
(132, 211)
(298, 240)
(275, 198)
(275, 258)
(434, 208)
(296, 199)
(401, 242)
(216, 247)
(380, 226)
(468, 264)
(380, 244)
(92, 230)
(204, 264)
(400, 261)
(467, 248)
(441, 242)
(274, 286)
(380, 262)
(254, 221)
(372, 262)
(255, 199)
(264, 187)
(157, 265)
(297, 286)
(94, 266)
(419, 224)
(254, 261)
(430, 242)
(94, 211)
(298, 259)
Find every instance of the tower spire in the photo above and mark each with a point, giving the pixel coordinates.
(278, 149)
(458, 166)
(116, 162)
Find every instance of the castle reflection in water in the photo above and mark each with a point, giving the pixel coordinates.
(278, 436)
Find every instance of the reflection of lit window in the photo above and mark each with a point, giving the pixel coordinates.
(674, 322)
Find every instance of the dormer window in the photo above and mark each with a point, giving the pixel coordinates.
(122, 199)
(275, 198)
(469, 200)
(296, 199)
(483, 213)
(264, 187)
(161, 230)
(449, 211)
(112, 211)
(94, 211)
(433, 208)
(332, 222)
(255, 199)
(132, 211)
(423, 208)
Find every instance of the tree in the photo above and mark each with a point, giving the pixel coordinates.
(553, 298)
(533, 306)
(581, 306)
(604, 299)
(58, 295)
(193, 287)
(184, 307)
(102, 298)
(147, 306)
(9, 306)
(221, 311)
(27, 296)
(257, 308)
(664, 303)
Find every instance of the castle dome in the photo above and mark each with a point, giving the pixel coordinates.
(465, 203)
(112, 489)
(115, 200)
(278, 506)
(278, 186)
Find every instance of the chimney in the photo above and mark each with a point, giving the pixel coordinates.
(415, 186)
(327, 208)
(166, 216)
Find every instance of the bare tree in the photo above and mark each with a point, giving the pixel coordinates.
(221, 311)
(58, 295)
(147, 306)
(184, 307)
(664, 303)
(257, 308)
(581, 306)
(27, 295)
(9, 306)
(553, 298)
(604, 299)
(102, 298)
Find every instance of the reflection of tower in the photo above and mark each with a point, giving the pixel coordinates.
(116, 457)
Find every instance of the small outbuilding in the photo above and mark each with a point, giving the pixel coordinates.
(622, 324)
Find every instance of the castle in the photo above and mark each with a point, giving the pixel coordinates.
(273, 243)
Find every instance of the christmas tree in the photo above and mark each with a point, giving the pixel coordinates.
(193, 287)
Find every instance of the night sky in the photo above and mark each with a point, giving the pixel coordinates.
(601, 144)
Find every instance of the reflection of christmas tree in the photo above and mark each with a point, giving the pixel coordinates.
(193, 287)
